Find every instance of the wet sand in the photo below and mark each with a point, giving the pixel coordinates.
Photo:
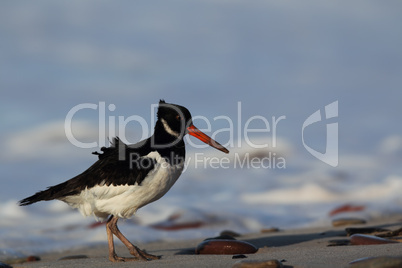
(294, 248)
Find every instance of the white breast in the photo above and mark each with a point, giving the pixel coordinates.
(124, 200)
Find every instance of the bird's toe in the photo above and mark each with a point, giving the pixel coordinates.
(143, 255)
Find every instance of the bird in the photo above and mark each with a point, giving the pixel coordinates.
(128, 177)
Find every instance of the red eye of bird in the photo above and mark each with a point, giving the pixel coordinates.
(178, 117)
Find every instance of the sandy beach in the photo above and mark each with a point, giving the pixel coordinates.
(293, 248)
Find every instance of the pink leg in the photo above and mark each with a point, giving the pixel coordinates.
(112, 229)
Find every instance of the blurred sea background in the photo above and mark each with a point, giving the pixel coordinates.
(271, 58)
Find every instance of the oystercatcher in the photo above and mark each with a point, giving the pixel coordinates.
(128, 177)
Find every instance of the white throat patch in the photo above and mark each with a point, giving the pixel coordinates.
(168, 129)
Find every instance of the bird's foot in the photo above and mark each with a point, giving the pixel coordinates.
(143, 255)
(115, 258)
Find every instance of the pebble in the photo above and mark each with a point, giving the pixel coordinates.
(33, 258)
(347, 221)
(339, 242)
(225, 247)
(399, 239)
(270, 230)
(239, 256)
(96, 224)
(167, 226)
(377, 262)
(23, 259)
(4, 265)
(362, 239)
(396, 232)
(73, 257)
(258, 264)
(186, 220)
(346, 208)
(364, 230)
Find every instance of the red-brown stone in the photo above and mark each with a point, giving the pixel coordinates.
(361, 239)
(225, 247)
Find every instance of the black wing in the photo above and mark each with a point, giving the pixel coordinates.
(108, 170)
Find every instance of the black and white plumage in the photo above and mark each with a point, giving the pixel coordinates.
(128, 177)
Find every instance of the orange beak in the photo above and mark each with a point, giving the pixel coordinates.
(193, 131)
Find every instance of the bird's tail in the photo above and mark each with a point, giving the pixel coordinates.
(32, 199)
(46, 195)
